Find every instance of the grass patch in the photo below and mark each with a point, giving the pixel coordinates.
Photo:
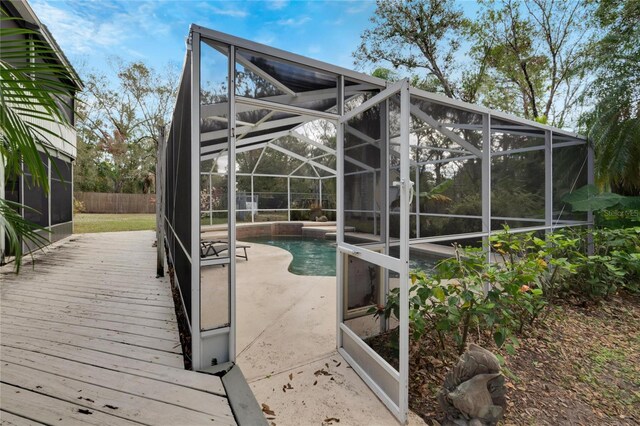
(98, 222)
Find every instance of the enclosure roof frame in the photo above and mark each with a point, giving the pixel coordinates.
(381, 83)
(283, 54)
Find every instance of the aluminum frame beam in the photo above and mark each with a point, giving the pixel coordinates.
(301, 158)
(266, 125)
(246, 141)
(209, 110)
(418, 113)
(318, 145)
(291, 109)
(375, 100)
(455, 103)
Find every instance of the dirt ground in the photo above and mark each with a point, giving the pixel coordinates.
(581, 367)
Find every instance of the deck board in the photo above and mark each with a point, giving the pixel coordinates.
(162, 316)
(8, 419)
(89, 327)
(88, 314)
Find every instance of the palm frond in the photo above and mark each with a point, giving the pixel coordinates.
(19, 230)
(33, 87)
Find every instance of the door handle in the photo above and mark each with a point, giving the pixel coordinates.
(411, 190)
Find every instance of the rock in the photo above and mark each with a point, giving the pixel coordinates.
(472, 397)
(473, 391)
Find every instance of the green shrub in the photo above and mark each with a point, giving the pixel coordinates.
(504, 299)
(466, 294)
(613, 264)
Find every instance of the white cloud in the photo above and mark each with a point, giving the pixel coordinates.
(265, 38)
(314, 48)
(354, 10)
(77, 33)
(227, 11)
(335, 22)
(277, 4)
(93, 26)
(146, 17)
(358, 7)
(294, 22)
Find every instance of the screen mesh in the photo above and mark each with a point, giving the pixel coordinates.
(178, 189)
(61, 191)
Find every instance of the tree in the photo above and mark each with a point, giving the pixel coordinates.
(614, 123)
(30, 92)
(537, 59)
(421, 36)
(119, 126)
(525, 58)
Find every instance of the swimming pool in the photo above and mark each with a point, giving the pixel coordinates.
(313, 256)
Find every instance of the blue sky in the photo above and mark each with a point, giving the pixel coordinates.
(91, 33)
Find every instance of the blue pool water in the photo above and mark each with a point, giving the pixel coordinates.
(313, 256)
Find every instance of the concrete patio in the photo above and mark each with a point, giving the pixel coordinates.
(286, 332)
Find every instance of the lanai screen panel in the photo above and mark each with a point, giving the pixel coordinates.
(35, 198)
(517, 175)
(177, 213)
(446, 147)
(363, 198)
(215, 257)
(261, 76)
(61, 191)
(570, 172)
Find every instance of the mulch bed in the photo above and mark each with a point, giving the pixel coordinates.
(580, 367)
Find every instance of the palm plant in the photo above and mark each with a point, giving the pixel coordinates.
(32, 87)
(436, 193)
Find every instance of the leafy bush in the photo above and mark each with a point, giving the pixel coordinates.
(587, 263)
(503, 299)
(465, 295)
(78, 206)
(610, 210)
(613, 264)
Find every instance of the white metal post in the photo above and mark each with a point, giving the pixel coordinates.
(252, 200)
(231, 169)
(210, 198)
(383, 192)
(320, 193)
(194, 250)
(590, 175)
(417, 198)
(339, 213)
(548, 181)
(159, 208)
(405, 186)
(50, 235)
(288, 198)
(385, 183)
(486, 184)
(373, 201)
(590, 181)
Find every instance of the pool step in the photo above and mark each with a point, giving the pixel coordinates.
(323, 232)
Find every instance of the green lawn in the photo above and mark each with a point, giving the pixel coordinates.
(97, 222)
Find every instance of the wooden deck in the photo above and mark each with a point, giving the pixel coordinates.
(89, 336)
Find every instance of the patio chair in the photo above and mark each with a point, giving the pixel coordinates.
(215, 247)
